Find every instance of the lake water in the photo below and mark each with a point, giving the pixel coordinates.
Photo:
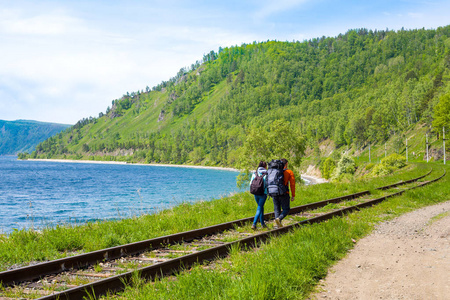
(38, 194)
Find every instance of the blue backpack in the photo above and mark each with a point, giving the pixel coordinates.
(275, 179)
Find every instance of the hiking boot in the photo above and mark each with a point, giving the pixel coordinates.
(278, 221)
(265, 226)
(253, 226)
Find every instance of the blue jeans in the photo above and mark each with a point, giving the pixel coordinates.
(281, 202)
(260, 200)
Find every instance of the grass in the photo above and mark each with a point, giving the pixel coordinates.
(438, 217)
(23, 246)
(290, 266)
(287, 267)
(98, 268)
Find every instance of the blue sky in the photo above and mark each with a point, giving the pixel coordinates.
(61, 61)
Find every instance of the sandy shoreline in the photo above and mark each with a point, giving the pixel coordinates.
(313, 179)
(130, 164)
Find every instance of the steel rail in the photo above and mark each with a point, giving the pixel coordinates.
(34, 272)
(386, 187)
(118, 282)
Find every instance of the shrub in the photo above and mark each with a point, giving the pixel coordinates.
(327, 167)
(346, 165)
(389, 164)
(394, 160)
(369, 166)
(381, 170)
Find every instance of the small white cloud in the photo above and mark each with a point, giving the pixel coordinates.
(13, 22)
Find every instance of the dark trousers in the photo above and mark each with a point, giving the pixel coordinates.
(281, 202)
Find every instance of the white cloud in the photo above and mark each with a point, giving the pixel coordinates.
(60, 67)
(68, 60)
(57, 22)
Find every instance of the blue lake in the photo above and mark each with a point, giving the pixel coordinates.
(38, 194)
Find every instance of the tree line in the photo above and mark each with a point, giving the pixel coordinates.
(357, 88)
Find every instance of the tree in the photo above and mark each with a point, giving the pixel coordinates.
(355, 88)
(346, 165)
(279, 141)
(442, 114)
(327, 167)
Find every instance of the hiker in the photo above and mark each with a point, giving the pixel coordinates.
(282, 200)
(258, 187)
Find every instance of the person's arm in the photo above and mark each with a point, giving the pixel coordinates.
(265, 184)
(292, 184)
(253, 177)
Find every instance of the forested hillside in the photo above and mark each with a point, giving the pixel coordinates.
(357, 88)
(23, 136)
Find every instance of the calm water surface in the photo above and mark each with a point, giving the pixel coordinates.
(37, 194)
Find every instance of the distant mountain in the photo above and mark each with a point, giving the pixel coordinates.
(24, 135)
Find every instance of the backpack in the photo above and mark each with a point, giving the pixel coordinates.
(257, 185)
(275, 179)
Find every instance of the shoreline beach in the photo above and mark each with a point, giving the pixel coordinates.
(131, 164)
(308, 177)
(313, 179)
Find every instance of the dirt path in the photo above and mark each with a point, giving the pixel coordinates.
(406, 258)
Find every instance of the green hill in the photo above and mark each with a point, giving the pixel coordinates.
(357, 88)
(23, 136)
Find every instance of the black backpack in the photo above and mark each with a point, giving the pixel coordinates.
(275, 179)
(257, 185)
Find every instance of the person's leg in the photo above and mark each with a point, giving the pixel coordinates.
(261, 203)
(276, 206)
(258, 211)
(285, 202)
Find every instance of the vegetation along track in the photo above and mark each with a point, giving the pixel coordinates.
(109, 270)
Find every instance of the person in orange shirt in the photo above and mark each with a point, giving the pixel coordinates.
(283, 201)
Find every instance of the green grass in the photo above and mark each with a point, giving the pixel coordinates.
(438, 217)
(23, 246)
(290, 266)
(286, 267)
(416, 135)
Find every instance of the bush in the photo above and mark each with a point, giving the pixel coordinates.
(346, 165)
(327, 167)
(389, 164)
(394, 160)
(369, 166)
(382, 170)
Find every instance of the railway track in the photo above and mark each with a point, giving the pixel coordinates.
(109, 270)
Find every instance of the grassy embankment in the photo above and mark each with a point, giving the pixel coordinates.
(24, 246)
(416, 136)
(288, 266)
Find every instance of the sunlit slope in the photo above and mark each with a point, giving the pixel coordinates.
(358, 88)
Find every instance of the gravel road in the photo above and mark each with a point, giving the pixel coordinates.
(405, 258)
